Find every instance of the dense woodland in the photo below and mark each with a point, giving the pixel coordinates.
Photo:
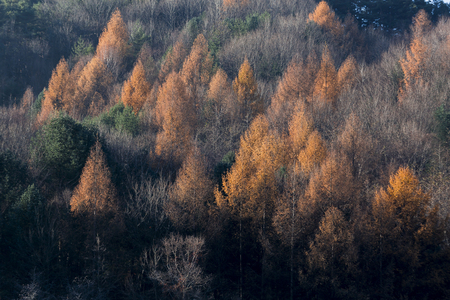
(235, 149)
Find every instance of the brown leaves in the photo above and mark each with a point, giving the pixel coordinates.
(326, 18)
(136, 90)
(326, 85)
(95, 192)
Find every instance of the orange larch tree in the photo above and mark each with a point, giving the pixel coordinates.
(136, 90)
(246, 90)
(313, 154)
(113, 43)
(95, 193)
(326, 84)
(92, 86)
(176, 115)
(414, 64)
(197, 67)
(173, 61)
(191, 195)
(347, 74)
(326, 18)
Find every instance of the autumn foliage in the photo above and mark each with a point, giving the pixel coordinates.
(326, 18)
(326, 85)
(95, 192)
(136, 90)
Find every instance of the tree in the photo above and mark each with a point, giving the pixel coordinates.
(175, 265)
(246, 90)
(113, 43)
(326, 84)
(326, 18)
(414, 65)
(92, 86)
(176, 114)
(313, 154)
(197, 67)
(136, 90)
(95, 192)
(347, 74)
(332, 257)
(300, 127)
(407, 231)
(173, 61)
(57, 90)
(61, 148)
(191, 195)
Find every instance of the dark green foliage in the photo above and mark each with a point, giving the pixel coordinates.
(252, 22)
(61, 148)
(37, 105)
(121, 118)
(443, 127)
(224, 166)
(82, 47)
(13, 177)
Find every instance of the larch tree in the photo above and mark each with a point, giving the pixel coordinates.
(113, 43)
(326, 83)
(197, 67)
(347, 74)
(56, 93)
(333, 185)
(300, 127)
(326, 18)
(173, 61)
(406, 230)
(250, 187)
(176, 115)
(191, 195)
(414, 64)
(332, 256)
(92, 86)
(136, 90)
(313, 154)
(246, 90)
(95, 193)
(220, 92)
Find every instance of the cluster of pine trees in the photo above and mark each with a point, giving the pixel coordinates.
(244, 150)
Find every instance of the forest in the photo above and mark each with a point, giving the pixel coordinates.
(224, 149)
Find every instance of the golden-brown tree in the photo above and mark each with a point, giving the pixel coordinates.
(56, 93)
(136, 90)
(246, 90)
(347, 74)
(406, 229)
(326, 18)
(221, 94)
(414, 64)
(173, 61)
(191, 195)
(92, 86)
(326, 84)
(313, 154)
(113, 43)
(300, 127)
(95, 193)
(197, 67)
(175, 113)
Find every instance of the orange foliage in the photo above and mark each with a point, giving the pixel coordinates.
(333, 185)
(219, 87)
(347, 74)
(95, 192)
(300, 127)
(173, 61)
(176, 114)
(414, 64)
(136, 89)
(250, 186)
(326, 84)
(326, 18)
(191, 194)
(313, 154)
(197, 67)
(113, 42)
(92, 86)
(246, 90)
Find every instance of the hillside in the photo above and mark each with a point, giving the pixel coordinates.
(227, 149)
